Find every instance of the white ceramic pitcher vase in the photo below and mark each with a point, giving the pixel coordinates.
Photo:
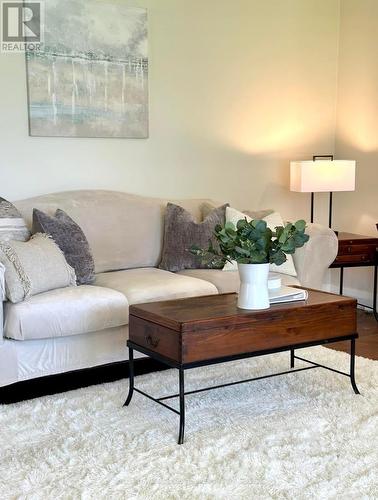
(253, 293)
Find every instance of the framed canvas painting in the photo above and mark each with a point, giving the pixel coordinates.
(90, 78)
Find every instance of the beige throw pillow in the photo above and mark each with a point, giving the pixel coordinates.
(258, 214)
(33, 267)
(207, 207)
(273, 220)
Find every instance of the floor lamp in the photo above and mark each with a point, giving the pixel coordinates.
(322, 174)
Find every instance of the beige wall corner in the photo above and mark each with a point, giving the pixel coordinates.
(356, 129)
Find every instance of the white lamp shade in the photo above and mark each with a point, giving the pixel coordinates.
(322, 175)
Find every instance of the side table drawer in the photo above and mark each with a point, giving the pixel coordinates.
(352, 252)
(346, 248)
(355, 258)
(154, 337)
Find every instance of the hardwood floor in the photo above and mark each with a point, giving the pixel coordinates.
(367, 343)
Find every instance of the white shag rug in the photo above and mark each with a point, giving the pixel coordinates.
(302, 435)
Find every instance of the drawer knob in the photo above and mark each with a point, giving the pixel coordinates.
(153, 342)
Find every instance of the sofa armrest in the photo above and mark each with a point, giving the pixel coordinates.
(313, 260)
(2, 299)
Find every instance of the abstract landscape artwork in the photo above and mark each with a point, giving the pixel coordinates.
(90, 78)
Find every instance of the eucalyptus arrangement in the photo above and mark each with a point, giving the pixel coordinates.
(253, 245)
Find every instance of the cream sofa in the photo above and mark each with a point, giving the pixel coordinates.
(87, 326)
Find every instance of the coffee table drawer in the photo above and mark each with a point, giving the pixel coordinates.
(155, 337)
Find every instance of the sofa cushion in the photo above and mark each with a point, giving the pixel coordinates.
(65, 311)
(227, 281)
(151, 284)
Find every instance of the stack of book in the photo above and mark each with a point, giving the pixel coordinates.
(279, 293)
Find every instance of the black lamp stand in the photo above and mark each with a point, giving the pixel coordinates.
(322, 157)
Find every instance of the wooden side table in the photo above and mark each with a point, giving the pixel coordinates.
(356, 250)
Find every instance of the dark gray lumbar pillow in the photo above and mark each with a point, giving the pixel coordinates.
(181, 232)
(71, 240)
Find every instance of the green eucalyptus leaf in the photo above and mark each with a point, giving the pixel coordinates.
(241, 224)
(229, 226)
(300, 225)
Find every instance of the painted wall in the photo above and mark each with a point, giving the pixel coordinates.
(237, 89)
(357, 128)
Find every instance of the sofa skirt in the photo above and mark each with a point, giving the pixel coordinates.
(22, 360)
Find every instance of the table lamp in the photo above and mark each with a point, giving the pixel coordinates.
(322, 174)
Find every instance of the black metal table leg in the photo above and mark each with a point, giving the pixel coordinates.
(341, 280)
(292, 357)
(131, 377)
(182, 406)
(375, 292)
(352, 365)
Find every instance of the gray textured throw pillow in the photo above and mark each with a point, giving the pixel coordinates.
(181, 232)
(12, 225)
(71, 240)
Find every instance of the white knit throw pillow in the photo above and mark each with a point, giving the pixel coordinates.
(33, 267)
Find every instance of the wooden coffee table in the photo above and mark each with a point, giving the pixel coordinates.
(199, 331)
